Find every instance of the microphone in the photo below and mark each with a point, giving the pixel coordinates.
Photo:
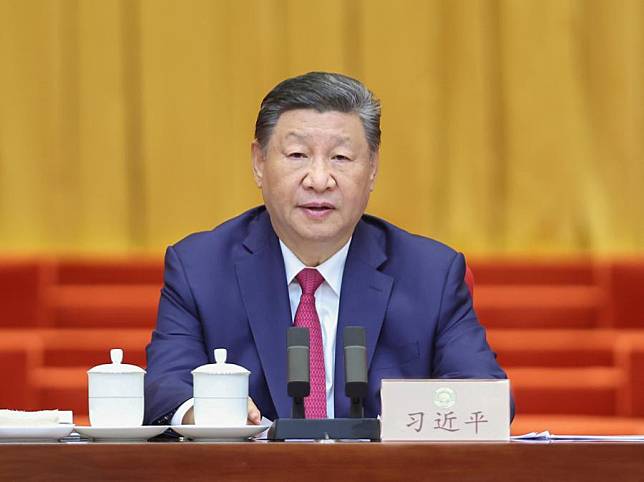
(298, 373)
(355, 368)
(354, 427)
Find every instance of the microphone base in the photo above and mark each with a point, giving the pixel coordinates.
(325, 429)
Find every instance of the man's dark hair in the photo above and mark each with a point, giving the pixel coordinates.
(324, 92)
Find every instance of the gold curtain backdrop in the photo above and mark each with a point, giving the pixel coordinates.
(509, 126)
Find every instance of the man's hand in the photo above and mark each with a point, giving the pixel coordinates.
(254, 417)
(189, 417)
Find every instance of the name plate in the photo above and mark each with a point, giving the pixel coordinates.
(445, 409)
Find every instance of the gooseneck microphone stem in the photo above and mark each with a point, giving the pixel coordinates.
(356, 409)
(298, 408)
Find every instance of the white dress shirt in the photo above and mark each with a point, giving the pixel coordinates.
(327, 304)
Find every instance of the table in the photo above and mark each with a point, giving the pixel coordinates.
(266, 461)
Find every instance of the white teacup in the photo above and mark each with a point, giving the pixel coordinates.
(116, 393)
(220, 393)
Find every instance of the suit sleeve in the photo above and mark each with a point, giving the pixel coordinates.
(461, 349)
(177, 345)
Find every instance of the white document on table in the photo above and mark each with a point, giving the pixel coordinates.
(546, 435)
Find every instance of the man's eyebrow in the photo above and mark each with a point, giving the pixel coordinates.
(343, 140)
(338, 139)
(297, 135)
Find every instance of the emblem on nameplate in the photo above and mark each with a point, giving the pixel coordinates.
(444, 397)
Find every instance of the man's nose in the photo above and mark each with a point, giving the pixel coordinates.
(319, 176)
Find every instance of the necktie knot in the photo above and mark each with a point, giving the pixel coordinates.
(310, 280)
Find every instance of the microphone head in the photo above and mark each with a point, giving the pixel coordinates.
(298, 369)
(355, 336)
(355, 362)
(297, 337)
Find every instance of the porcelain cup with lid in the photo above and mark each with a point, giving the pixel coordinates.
(220, 393)
(116, 393)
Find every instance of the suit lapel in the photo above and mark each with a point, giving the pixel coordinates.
(262, 281)
(363, 300)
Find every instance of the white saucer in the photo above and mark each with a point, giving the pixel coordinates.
(119, 434)
(14, 433)
(202, 433)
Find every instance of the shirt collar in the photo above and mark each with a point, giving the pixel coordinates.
(331, 270)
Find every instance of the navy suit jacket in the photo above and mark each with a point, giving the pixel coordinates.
(227, 288)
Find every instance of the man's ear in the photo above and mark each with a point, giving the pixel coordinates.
(257, 156)
(374, 163)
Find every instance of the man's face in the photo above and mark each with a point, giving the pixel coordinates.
(316, 176)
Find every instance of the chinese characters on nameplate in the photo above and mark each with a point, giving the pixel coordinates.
(445, 410)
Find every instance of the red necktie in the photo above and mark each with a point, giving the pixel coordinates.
(306, 316)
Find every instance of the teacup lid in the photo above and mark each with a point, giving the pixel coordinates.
(116, 355)
(221, 367)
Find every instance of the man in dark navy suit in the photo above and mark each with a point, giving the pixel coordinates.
(311, 257)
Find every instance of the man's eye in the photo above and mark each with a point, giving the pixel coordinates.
(340, 157)
(297, 155)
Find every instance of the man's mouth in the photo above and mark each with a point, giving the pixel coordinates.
(316, 210)
(318, 206)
